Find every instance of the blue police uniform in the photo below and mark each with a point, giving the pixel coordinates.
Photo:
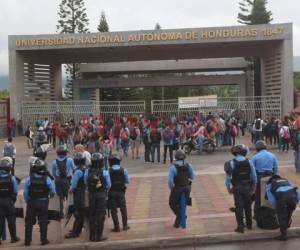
(116, 196)
(179, 180)
(98, 183)
(62, 169)
(242, 178)
(78, 189)
(265, 164)
(8, 194)
(37, 190)
(283, 197)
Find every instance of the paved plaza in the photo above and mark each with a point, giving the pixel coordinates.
(147, 197)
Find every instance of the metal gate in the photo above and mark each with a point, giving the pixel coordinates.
(244, 107)
(65, 110)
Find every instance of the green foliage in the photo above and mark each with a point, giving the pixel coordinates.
(72, 19)
(157, 26)
(4, 94)
(297, 80)
(103, 25)
(254, 12)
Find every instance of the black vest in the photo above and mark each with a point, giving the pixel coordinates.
(6, 186)
(117, 179)
(62, 167)
(241, 173)
(182, 177)
(38, 188)
(277, 183)
(96, 181)
(80, 183)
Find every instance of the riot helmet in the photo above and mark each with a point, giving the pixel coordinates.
(260, 145)
(180, 155)
(79, 159)
(239, 149)
(6, 164)
(40, 153)
(39, 166)
(97, 160)
(61, 150)
(115, 159)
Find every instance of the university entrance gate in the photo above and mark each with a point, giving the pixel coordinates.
(245, 108)
(35, 62)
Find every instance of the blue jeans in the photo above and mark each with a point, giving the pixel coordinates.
(201, 139)
(297, 160)
(220, 139)
(155, 147)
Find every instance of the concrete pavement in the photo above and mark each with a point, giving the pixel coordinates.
(149, 215)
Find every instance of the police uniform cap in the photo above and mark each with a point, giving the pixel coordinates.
(6, 163)
(97, 157)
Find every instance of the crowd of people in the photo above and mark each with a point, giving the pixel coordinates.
(96, 168)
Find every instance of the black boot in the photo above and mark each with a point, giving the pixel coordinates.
(12, 231)
(28, 234)
(44, 230)
(239, 229)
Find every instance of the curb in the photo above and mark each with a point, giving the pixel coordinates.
(167, 242)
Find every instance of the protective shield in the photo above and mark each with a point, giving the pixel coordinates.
(54, 227)
(263, 201)
(54, 209)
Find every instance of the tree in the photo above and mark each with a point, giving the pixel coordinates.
(254, 12)
(4, 94)
(72, 19)
(103, 25)
(157, 26)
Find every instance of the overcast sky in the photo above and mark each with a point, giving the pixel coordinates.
(40, 16)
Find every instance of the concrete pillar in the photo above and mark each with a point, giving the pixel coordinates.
(287, 85)
(76, 91)
(57, 81)
(16, 83)
(242, 86)
(97, 99)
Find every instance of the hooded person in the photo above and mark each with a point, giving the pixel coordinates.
(97, 180)
(38, 188)
(61, 169)
(240, 180)
(77, 189)
(180, 177)
(8, 195)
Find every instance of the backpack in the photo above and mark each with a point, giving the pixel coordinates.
(286, 134)
(257, 124)
(133, 133)
(266, 218)
(167, 134)
(124, 135)
(8, 150)
(234, 131)
(95, 180)
(273, 126)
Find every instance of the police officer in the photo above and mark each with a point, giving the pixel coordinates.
(62, 169)
(98, 183)
(8, 195)
(284, 198)
(40, 138)
(180, 176)
(265, 164)
(241, 181)
(38, 187)
(116, 195)
(78, 190)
